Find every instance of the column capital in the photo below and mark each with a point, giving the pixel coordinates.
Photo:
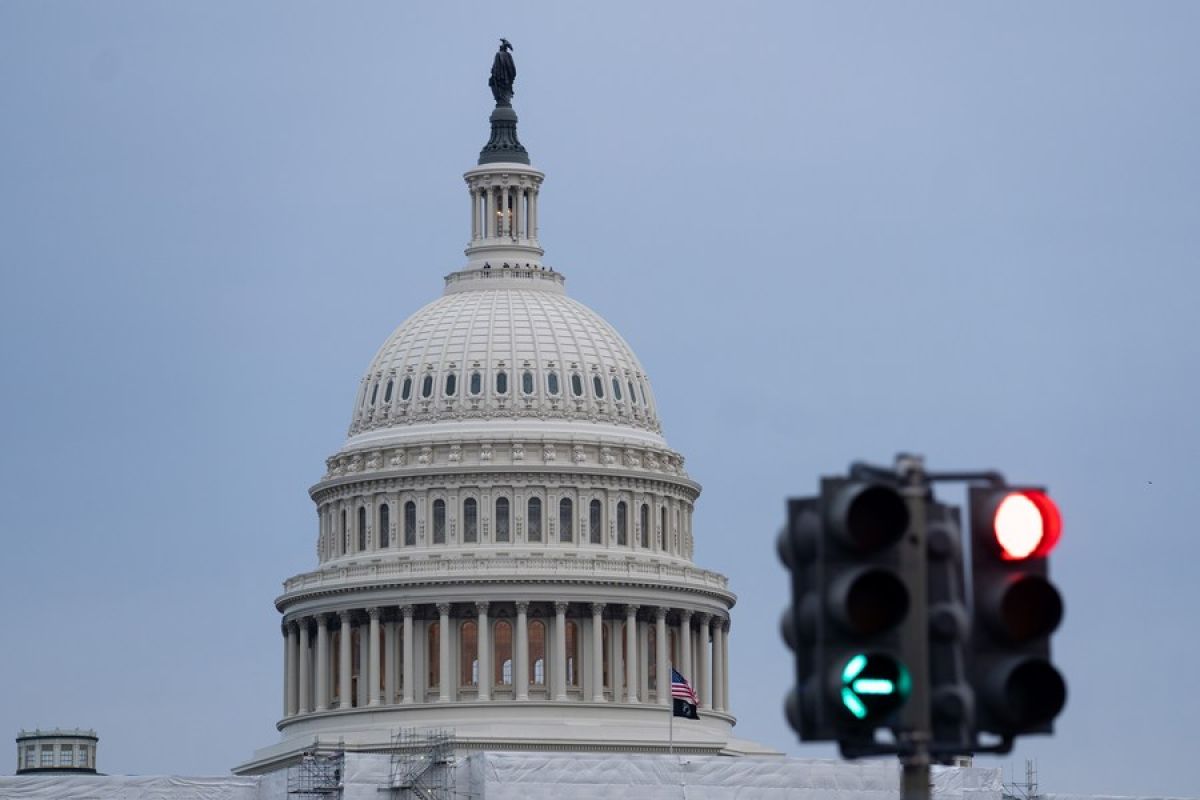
(631, 610)
(406, 610)
(481, 606)
(322, 618)
(373, 613)
(685, 615)
(443, 609)
(702, 617)
(725, 625)
(598, 608)
(560, 606)
(522, 606)
(660, 613)
(345, 616)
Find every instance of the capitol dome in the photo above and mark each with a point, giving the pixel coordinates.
(505, 539)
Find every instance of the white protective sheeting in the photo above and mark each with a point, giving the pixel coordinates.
(128, 787)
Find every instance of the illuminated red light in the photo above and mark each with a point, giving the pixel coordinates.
(1027, 525)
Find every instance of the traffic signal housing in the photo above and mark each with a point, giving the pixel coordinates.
(1016, 609)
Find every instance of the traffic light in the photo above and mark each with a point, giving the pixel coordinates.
(1016, 609)
(852, 570)
(951, 701)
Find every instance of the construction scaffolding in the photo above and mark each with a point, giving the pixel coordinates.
(422, 764)
(318, 776)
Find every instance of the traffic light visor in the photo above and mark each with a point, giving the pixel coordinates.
(1026, 525)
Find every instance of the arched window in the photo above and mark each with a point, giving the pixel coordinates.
(576, 384)
(598, 387)
(537, 653)
(565, 512)
(470, 520)
(374, 392)
(595, 535)
(434, 656)
(572, 637)
(616, 387)
(439, 521)
(387, 393)
(410, 524)
(534, 519)
(502, 519)
(362, 528)
(527, 382)
(502, 658)
(501, 382)
(476, 382)
(344, 536)
(632, 394)
(552, 382)
(622, 524)
(451, 384)
(406, 388)
(645, 526)
(468, 654)
(427, 387)
(662, 533)
(385, 525)
(642, 386)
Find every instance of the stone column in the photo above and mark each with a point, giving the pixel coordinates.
(521, 652)
(533, 215)
(685, 645)
(725, 663)
(705, 676)
(597, 652)
(323, 662)
(407, 644)
(474, 214)
(444, 676)
(484, 651)
(718, 665)
(517, 191)
(364, 668)
(372, 672)
(492, 216)
(661, 667)
(615, 671)
(302, 678)
(345, 664)
(389, 662)
(631, 654)
(560, 650)
(291, 664)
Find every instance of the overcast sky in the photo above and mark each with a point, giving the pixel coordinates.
(831, 232)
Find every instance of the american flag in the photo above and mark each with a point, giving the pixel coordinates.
(682, 689)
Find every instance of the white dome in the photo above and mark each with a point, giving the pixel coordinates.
(504, 343)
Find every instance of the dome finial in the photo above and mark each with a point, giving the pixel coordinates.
(503, 145)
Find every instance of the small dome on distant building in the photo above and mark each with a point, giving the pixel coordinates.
(57, 750)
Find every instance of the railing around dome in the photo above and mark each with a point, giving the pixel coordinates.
(501, 567)
(502, 272)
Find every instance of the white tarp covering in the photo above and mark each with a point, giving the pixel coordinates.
(128, 787)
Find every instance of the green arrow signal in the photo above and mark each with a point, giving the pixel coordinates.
(873, 685)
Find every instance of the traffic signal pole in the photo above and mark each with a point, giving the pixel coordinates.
(915, 738)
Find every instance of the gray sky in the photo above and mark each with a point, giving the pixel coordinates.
(829, 231)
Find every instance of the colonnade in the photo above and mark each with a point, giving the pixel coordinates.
(514, 651)
(504, 211)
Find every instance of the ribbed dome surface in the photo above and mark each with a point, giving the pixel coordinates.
(504, 352)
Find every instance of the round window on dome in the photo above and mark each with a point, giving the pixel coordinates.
(577, 385)
(451, 384)
(501, 382)
(527, 382)
(552, 382)
(598, 387)
(406, 389)
(427, 387)
(616, 389)
(476, 382)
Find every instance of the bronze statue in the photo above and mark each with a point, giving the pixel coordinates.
(504, 72)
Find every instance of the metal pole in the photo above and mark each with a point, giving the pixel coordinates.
(914, 739)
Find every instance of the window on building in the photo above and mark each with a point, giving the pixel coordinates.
(476, 382)
(537, 653)
(385, 525)
(362, 528)
(534, 519)
(622, 524)
(451, 384)
(374, 392)
(434, 656)
(652, 649)
(470, 520)
(645, 520)
(427, 387)
(468, 654)
(410, 524)
(66, 755)
(576, 384)
(595, 534)
(502, 534)
(605, 651)
(552, 382)
(527, 382)
(344, 543)
(501, 382)
(565, 514)
(662, 533)
(616, 384)
(502, 660)
(406, 388)
(387, 393)
(632, 394)
(598, 387)
(47, 756)
(439, 521)
(572, 637)
(30, 758)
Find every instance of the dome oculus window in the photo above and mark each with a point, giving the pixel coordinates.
(476, 382)
(406, 389)
(598, 387)
(552, 382)
(527, 382)
(501, 382)
(451, 384)
(427, 387)
(576, 385)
